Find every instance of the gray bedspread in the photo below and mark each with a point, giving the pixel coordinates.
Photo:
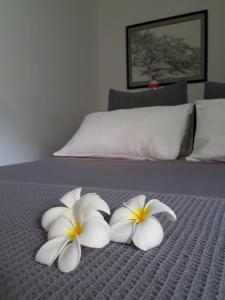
(189, 264)
(161, 176)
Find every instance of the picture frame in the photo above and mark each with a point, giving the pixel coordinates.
(167, 50)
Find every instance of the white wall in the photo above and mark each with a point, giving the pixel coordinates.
(48, 67)
(114, 16)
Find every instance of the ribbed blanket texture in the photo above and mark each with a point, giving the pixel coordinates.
(189, 263)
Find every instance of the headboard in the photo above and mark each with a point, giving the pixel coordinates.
(214, 90)
(173, 94)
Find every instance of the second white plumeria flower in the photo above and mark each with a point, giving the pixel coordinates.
(66, 235)
(135, 222)
(69, 200)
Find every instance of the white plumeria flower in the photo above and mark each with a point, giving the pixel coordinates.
(135, 222)
(66, 235)
(69, 200)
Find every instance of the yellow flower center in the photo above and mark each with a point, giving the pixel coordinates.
(76, 230)
(139, 215)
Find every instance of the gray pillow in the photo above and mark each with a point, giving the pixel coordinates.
(173, 94)
(214, 90)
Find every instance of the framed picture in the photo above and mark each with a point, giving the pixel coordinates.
(168, 50)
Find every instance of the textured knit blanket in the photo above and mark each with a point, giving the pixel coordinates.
(189, 264)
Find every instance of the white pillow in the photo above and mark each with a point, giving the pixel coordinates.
(209, 143)
(138, 133)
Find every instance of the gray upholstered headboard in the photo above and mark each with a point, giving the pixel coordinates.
(214, 90)
(173, 94)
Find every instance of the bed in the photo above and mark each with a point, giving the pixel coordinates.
(177, 177)
(188, 264)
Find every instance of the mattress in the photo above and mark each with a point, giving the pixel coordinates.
(179, 177)
(189, 263)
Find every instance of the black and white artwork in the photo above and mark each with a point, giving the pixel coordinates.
(168, 50)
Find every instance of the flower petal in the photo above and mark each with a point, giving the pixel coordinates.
(70, 256)
(121, 232)
(48, 252)
(121, 214)
(93, 201)
(95, 234)
(90, 213)
(70, 198)
(136, 203)
(51, 215)
(148, 234)
(59, 227)
(155, 207)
